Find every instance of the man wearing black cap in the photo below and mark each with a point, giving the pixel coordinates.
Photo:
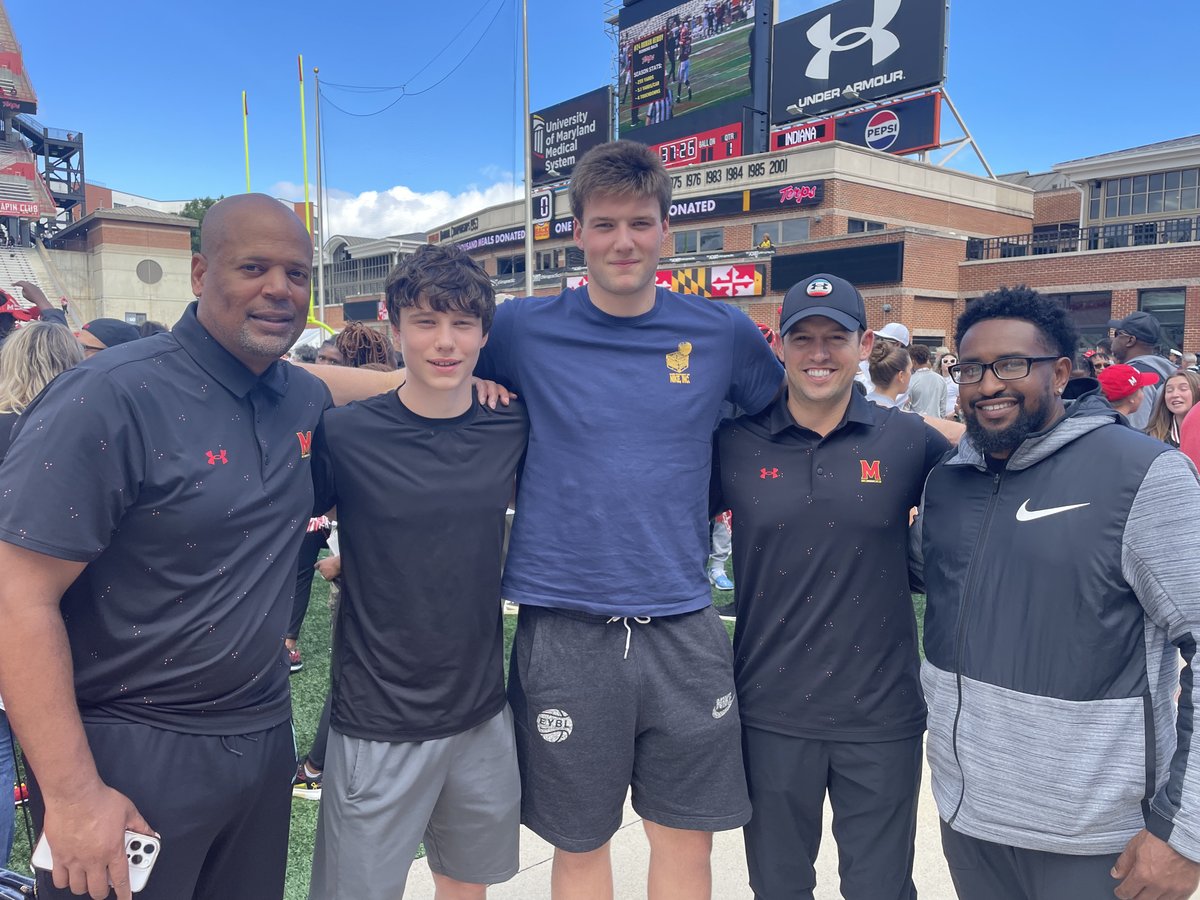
(1134, 342)
(821, 484)
(100, 334)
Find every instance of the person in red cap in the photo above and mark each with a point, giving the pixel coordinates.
(1122, 386)
(13, 311)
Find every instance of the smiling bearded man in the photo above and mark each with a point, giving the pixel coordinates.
(1061, 591)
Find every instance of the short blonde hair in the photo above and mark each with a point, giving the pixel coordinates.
(32, 357)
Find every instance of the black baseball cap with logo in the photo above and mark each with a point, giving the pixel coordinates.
(1140, 324)
(824, 295)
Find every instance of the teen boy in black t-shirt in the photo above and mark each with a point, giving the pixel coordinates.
(421, 741)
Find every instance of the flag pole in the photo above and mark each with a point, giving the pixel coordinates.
(304, 152)
(320, 236)
(246, 137)
(529, 273)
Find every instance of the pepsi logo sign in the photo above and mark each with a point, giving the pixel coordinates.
(882, 130)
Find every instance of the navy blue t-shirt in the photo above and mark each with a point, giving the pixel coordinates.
(612, 508)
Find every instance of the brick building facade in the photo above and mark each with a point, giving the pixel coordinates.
(1106, 235)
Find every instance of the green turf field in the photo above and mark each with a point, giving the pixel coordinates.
(308, 695)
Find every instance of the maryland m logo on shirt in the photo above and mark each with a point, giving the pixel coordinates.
(677, 363)
(870, 471)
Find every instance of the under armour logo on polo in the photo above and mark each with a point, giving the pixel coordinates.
(768, 473)
(214, 458)
(883, 42)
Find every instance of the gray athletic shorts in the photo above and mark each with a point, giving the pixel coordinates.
(592, 721)
(461, 794)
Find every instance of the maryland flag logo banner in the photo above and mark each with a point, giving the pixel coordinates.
(735, 281)
(690, 281)
(713, 282)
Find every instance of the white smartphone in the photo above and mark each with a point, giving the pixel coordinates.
(141, 850)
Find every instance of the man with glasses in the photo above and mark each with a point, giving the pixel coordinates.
(1134, 343)
(1060, 591)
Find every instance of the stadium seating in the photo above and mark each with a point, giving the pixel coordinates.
(21, 264)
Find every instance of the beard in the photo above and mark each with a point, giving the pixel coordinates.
(995, 442)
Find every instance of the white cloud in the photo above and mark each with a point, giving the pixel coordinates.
(400, 210)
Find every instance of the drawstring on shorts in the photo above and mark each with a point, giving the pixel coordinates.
(641, 620)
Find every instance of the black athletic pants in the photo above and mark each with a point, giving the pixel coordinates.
(872, 789)
(982, 870)
(221, 804)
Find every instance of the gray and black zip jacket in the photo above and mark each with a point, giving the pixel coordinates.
(1058, 591)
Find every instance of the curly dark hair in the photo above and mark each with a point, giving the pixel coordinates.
(446, 278)
(1022, 302)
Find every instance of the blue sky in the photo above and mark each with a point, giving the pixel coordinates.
(156, 88)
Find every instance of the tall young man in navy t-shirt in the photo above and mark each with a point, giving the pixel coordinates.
(621, 671)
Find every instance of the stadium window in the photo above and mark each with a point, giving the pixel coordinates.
(858, 226)
(1090, 312)
(575, 258)
(547, 259)
(1166, 305)
(510, 265)
(1157, 192)
(783, 231)
(704, 240)
(1094, 200)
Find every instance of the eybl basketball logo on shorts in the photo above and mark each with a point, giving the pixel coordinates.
(554, 725)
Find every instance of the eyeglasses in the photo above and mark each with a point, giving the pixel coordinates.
(1007, 368)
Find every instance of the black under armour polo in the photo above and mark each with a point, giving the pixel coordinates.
(183, 481)
(826, 641)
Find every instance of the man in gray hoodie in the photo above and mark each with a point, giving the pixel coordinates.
(1061, 590)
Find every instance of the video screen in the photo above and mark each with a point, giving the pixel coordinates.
(680, 58)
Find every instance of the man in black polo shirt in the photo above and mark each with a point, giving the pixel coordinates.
(825, 652)
(154, 501)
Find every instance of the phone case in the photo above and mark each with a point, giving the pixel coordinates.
(140, 849)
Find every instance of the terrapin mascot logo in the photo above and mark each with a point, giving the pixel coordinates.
(305, 438)
(870, 471)
(677, 362)
(554, 725)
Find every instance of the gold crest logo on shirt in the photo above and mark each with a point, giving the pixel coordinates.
(678, 362)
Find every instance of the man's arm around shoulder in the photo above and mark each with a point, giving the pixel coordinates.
(85, 819)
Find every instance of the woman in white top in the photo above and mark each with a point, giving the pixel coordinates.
(890, 367)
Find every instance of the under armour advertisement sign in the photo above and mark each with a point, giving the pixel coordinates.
(871, 49)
